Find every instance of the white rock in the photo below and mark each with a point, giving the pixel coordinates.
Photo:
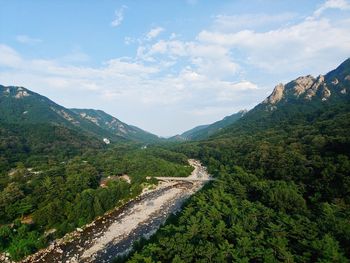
(276, 95)
(335, 81)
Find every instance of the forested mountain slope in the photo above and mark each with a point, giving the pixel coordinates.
(115, 126)
(22, 107)
(34, 129)
(304, 98)
(283, 188)
(204, 131)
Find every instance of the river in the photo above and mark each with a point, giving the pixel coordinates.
(114, 233)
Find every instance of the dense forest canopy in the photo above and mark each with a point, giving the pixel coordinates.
(57, 196)
(281, 194)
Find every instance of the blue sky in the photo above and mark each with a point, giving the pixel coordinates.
(167, 66)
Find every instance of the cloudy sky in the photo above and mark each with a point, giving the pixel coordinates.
(167, 66)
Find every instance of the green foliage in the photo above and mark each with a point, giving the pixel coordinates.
(63, 195)
(20, 240)
(281, 194)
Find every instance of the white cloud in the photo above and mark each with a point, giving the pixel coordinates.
(291, 48)
(231, 91)
(332, 4)
(24, 39)
(211, 60)
(129, 40)
(215, 74)
(124, 82)
(119, 16)
(9, 57)
(232, 23)
(154, 32)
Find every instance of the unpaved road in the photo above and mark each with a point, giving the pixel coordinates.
(114, 233)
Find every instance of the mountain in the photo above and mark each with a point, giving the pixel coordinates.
(115, 126)
(32, 127)
(204, 131)
(330, 87)
(306, 98)
(282, 188)
(34, 130)
(23, 107)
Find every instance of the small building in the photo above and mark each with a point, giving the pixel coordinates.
(106, 141)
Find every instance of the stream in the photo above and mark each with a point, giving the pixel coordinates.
(114, 233)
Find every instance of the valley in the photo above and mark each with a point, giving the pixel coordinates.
(73, 181)
(114, 233)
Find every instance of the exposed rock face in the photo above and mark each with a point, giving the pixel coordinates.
(21, 93)
(276, 95)
(6, 91)
(65, 115)
(88, 117)
(314, 88)
(302, 84)
(307, 88)
(335, 81)
(326, 93)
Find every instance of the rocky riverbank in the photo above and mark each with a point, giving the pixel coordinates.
(114, 233)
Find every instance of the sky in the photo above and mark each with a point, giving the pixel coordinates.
(167, 66)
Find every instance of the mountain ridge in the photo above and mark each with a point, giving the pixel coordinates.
(23, 106)
(304, 97)
(204, 131)
(115, 126)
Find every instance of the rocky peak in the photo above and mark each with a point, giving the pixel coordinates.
(311, 92)
(302, 84)
(276, 95)
(16, 92)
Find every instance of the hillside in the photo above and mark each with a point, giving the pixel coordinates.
(115, 126)
(282, 193)
(304, 98)
(205, 131)
(23, 107)
(35, 129)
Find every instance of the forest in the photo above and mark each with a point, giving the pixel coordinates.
(282, 194)
(37, 206)
(281, 191)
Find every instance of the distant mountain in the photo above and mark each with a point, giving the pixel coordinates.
(285, 166)
(204, 131)
(187, 135)
(24, 107)
(332, 86)
(115, 126)
(304, 98)
(34, 129)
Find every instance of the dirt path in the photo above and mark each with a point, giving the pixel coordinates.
(114, 233)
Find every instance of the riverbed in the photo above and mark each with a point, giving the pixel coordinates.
(114, 233)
